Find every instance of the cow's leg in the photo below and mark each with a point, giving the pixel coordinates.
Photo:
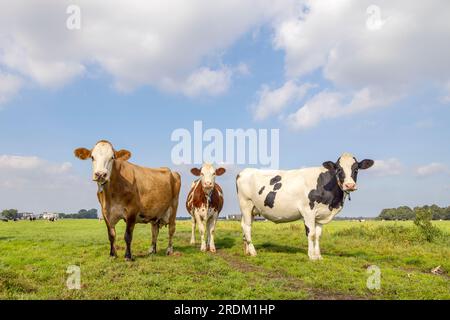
(316, 243)
(201, 229)
(172, 227)
(193, 231)
(246, 224)
(310, 225)
(173, 214)
(155, 232)
(128, 237)
(112, 240)
(211, 227)
(173, 217)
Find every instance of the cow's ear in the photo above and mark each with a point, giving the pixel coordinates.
(123, 155)
(329, 165)
(365, 164)
(196, 171)
(220, 171)
(82, 153)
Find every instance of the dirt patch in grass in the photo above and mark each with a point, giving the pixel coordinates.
(289, 282)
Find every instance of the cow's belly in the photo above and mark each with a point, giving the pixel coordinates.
(283, 211)
(281, 217)
(160, 215)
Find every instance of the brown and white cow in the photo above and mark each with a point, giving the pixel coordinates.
(204, 203)
(132, 193)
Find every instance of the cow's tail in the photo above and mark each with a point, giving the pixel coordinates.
(237, 188)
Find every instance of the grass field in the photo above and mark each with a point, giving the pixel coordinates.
(34, 257)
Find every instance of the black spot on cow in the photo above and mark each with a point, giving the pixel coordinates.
(306, 230)
(237, 189)
(355, 168)
(270, 199)
(274, 180)
(277, 186)
(327, 192)
(261, 190)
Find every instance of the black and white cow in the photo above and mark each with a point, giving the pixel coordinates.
(317, 194)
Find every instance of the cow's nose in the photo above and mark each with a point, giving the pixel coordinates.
(350, 186)
(100, 175)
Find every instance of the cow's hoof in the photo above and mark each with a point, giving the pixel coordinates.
(315, 257)
(152, 251)
(129, 259)
(192, 243)
(251, 250)
(169, 251)
(203, 248)
(212, 250)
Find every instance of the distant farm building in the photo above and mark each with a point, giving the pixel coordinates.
(50, 216)
(27, 216)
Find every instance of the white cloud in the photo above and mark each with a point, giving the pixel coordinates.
(432, 169)
(445, 98)
(272, 102)
(332, 37)
(203, 81)
(389, 167)
(9, 86)
(30, 183)
(137, 42)
(333, 104)
(19, 162)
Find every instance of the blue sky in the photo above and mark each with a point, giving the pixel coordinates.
(352, 88)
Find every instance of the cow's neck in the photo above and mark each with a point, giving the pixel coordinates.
(339, 195)
(114, 176)
(207, 195)
(327, 192)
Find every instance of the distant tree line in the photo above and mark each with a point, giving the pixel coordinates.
(406, 213)
(82, 214)
(10, 214)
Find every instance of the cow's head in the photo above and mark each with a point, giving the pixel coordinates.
(208, 175)
(103, 156)
(346, 170)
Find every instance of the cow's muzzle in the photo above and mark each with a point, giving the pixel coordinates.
(349, 187)
(100, 177)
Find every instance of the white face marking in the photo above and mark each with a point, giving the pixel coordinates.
(346, 162)
(208, 177)
(102, 162)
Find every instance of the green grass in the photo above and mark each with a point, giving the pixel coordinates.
(34, 257)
